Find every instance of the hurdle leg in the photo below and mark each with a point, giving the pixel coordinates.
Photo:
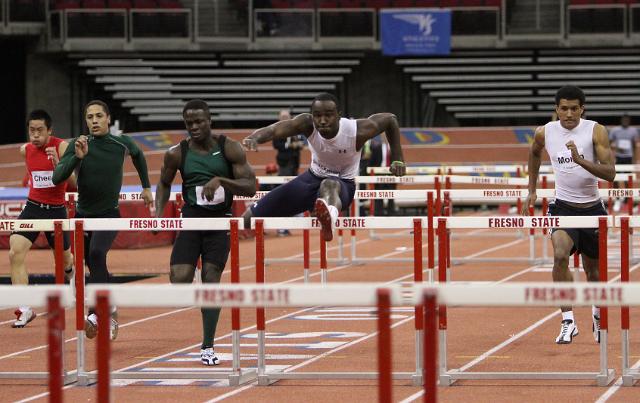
(55, 327)
(103, 310)
(323, 261)
(430, 349)
(385, 393)
(418, 322)
(78, 235)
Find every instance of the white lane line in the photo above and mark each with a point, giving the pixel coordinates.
(511, 340)
(615, 387)
(495, 248)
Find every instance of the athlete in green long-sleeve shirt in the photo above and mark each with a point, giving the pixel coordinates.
(98, 160)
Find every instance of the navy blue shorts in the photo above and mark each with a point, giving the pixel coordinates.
(299, 195)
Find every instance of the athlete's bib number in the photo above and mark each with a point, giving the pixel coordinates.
(624, 144)
(42, 179)
(218, 197)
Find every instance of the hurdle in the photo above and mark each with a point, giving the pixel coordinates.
(629, 375)
(237, 375)
(56, 298)
(602, 377)
(57, 227)
(417, 223)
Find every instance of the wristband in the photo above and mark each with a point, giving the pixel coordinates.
(398, 162)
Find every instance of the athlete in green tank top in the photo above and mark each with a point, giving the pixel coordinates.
(213, 169)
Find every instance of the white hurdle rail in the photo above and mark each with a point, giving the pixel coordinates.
(39, 299)
(262, 296)
(237, 375)
(482, 168)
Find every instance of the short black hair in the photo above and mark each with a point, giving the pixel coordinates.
(104, 106)
(325, 96)
(196, 104)
(40, 114)
(570, 92)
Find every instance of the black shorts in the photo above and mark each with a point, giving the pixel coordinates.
(212, 246)
(37, 211)
(585, 240)
(624, 160)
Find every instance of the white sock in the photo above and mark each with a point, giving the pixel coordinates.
(567, 315)
(24, 308)
(595, 311)
(333, 212)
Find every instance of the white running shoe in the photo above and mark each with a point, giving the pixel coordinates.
(324, 217)
(595, 327)
(208, 357)
(568, 330)
(23, 317)
(91, 326)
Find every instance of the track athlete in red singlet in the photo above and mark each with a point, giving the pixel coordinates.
(335, 143)
(45, 202)
(580, 154)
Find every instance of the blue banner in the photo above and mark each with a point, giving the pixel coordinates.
(415, 32)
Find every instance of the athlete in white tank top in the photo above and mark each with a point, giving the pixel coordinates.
(573, 182)
(335, 145)
(580, 153)
(336, 156)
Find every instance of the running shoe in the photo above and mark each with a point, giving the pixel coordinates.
(23, 317)
(91, 326)
(69, 274)
(568, 330)
(208, 357)
(113, 333)
(324, 217)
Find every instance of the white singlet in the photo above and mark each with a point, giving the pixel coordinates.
(573, 183)
(337, 156)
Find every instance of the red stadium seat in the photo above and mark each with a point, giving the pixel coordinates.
(303, 4)
(94, 4)
(327, 3)
(119, 4)
(471, 3)
(66, 4)
(427, 3)
(449, 3)
(147, 4)
(280, 4)
(377, 3)
(493, 3)
(350, 3)
(403, 3)
(169, 4)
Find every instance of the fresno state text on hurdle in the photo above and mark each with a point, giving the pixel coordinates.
(155, 224)
(11, 226)
(594, 295)
(519, 222)
(243, 297)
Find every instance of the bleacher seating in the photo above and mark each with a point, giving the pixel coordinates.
(238, 86)
(490, 84)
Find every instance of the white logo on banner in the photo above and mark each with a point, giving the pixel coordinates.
(424, 22)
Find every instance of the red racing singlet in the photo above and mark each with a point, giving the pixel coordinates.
(40, 170)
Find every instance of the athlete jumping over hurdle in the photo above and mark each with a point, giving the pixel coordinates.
(335, 143)
(580, 154)
(45, 201)
(213, 168)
